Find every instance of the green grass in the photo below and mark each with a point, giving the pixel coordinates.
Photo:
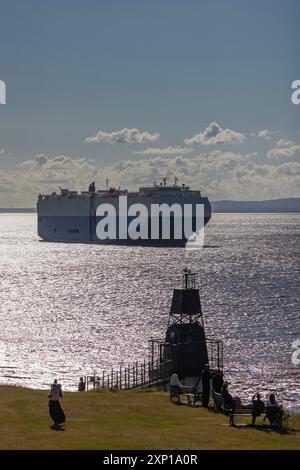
(125, 420)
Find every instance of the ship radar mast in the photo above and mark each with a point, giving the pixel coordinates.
(164, 182)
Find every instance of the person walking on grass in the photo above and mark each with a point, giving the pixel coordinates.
(55, 410)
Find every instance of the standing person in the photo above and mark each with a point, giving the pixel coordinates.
(218, 382)
(92, 187)
(205, 385)
(55, 410)
(81, 385)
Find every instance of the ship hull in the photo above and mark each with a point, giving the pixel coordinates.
(62, 235)
(71, 220)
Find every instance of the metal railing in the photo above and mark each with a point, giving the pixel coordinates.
(156, 371)
(137, 375)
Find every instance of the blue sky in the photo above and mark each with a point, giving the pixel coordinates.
(73, 68)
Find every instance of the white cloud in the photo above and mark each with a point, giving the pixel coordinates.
(128, 136)
(220, 175)
(284, 143)
(163, 151)
(264, 134)
(214, 134)
(2, 151)
(41, 159)
(288, 169)
(285, 148)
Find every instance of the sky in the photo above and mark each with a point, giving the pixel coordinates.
(136, 90)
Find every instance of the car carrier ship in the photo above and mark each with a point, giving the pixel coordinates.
(72, 216)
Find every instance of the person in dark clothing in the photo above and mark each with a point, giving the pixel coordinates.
(81, 385)
(55, 410)
(218, 382)
(229, 401)
(274, 411)
(258, 407)
(205, 385)
(92, 187)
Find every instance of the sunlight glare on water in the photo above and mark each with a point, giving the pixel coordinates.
(68, 310)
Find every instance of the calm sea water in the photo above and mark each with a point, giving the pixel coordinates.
(69, 310)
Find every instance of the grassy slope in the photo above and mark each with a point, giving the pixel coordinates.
(124, 420)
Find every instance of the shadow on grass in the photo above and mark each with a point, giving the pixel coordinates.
(286, 429)
(267, 428)
(57, 427)
(185, 403)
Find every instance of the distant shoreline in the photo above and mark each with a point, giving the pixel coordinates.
(15, 210)
(266, 206)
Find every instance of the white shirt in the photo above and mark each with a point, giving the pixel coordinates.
(174, 380)
(55, 392)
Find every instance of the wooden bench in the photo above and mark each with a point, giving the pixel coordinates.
(192, 396)
(219, 405)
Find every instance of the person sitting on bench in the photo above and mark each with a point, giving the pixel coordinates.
(274, 411)
(230, 402)
(258, 407)
(174, 383)
(176, 388)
